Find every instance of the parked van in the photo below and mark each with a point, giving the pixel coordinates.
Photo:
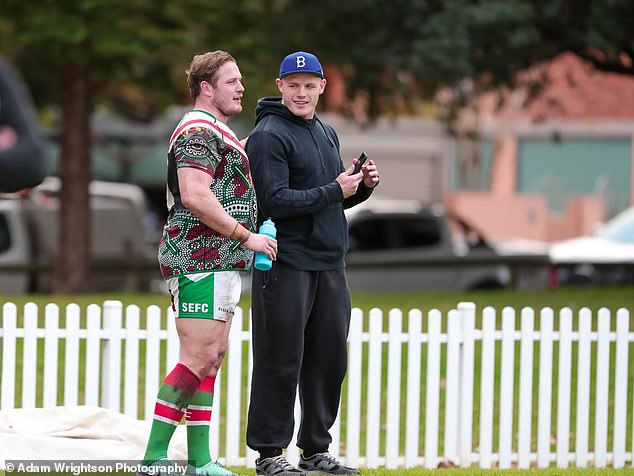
(29, 236)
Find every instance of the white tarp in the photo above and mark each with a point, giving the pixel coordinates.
(77, 433)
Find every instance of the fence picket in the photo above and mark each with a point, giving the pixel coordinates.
(71, 364)
(131, 368)
(292, 452)
(393, 388)
(173, 343)
(563, 387)
(29, 356)
(452, 387)
(214, 446)
(620, 387)
(335, 434)
(373, 428)
(152, 364)
(525, 412)
(234, 389)
(603, 391)
(487, 386)
(9, 323)
(506, 387)
(461, 338)
(251, 454)
(545, 386)
(51, 348)
(467, 318)
(353, 425)
(111, 371)
(583, 386)
(432, 396)
(412, 411)
(93, 351)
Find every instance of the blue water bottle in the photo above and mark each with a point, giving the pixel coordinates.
(262, 261)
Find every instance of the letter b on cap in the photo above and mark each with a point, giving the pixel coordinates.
(300, 62)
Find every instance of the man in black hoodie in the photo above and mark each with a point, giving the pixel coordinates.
(301, 307)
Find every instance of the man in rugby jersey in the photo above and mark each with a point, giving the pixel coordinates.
(208, 239)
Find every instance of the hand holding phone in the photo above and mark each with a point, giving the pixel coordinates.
(360, 161)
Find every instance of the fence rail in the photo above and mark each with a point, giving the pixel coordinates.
(472, 389)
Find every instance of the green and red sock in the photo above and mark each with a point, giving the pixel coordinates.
(174, 395)
(198, 418)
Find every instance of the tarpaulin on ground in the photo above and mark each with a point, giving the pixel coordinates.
(77, 433)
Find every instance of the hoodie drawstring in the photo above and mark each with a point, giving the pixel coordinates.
(321, 157)
(332, 144)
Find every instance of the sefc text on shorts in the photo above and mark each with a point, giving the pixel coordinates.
(205, 295)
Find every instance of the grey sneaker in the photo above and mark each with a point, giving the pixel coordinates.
(276, 465)
(324, 463)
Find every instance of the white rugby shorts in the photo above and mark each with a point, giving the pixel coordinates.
(205, 295)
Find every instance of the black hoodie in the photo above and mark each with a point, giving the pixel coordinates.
(294, 164)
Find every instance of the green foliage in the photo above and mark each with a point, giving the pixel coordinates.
(94, 32)
(122, 44)
(392, 48)
(387, 48)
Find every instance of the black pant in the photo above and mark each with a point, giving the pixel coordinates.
(300, 327)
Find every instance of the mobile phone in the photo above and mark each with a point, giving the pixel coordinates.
(362, 158)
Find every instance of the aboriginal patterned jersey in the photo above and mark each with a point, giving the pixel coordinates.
(188, 245)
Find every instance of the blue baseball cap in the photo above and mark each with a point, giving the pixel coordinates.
(301, 62)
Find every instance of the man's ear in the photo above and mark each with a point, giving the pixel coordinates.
(206, 88)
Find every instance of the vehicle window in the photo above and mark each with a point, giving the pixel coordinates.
(5, 237)
(417, 232)
(370, 234)
(386, 233)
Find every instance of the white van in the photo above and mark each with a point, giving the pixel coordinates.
(29, 234)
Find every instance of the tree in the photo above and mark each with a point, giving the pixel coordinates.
(75, 54)
(131, 57)
(406, 48)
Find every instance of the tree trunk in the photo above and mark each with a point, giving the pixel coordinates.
(73, 260)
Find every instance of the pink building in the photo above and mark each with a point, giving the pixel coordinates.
(552, 166)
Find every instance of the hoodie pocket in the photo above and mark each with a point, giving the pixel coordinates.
(329, 231)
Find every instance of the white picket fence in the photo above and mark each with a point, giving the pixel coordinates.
(527, 388)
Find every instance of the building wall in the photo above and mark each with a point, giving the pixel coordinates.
(415, 156)
(571, 144)
(561, 168)
(545, 189)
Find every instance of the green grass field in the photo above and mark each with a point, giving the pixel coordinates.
(594, 298)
